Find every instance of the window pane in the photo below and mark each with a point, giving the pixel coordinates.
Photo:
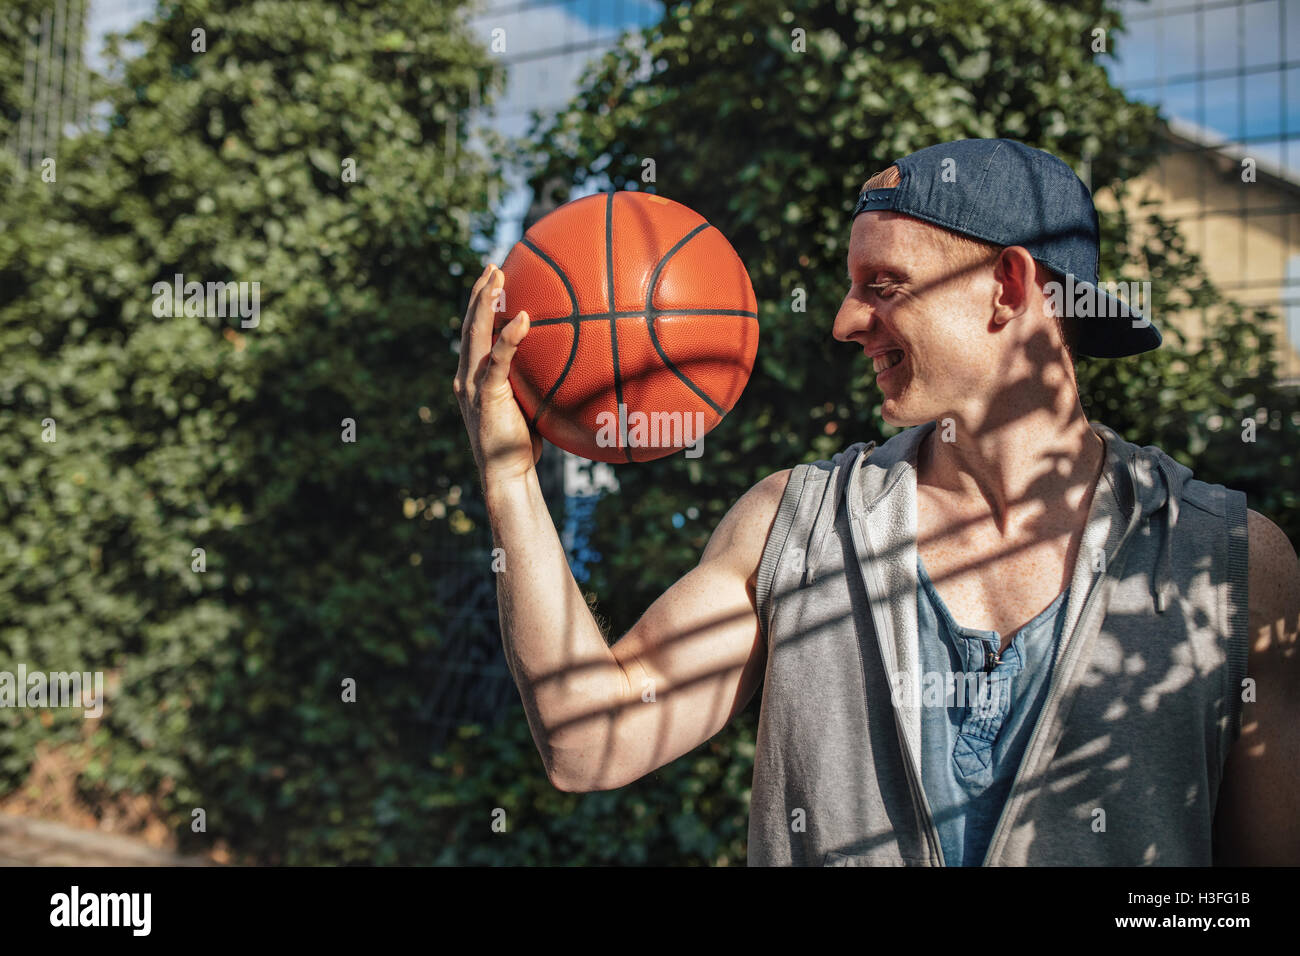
(1222, 107)
(1181, 100)
(1292, 15)
(1293, 101)
(1137, 50)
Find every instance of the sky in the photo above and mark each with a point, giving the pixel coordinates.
(110, 16)
(1237, 48)
(1243, 96)
(539, 79)
(1211, 64)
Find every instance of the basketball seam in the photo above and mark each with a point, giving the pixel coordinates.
(650, 318)
(572, 320)
(641, 313)
(613, 322)
(649, 313)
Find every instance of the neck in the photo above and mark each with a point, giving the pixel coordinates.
(1030, 461)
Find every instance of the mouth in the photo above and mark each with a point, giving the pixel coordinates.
(885, 361)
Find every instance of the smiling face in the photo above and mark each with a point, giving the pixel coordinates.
(923, 311)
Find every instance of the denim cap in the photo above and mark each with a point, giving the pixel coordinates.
(1010, 194)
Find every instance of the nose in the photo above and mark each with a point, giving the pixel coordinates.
(854, 317)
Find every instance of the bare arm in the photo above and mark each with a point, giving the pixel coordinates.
(604, 716)
(1255, 822)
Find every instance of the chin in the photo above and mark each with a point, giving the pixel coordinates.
(899, 414)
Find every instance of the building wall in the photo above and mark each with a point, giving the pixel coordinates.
(1227, 75)
(1247, 235)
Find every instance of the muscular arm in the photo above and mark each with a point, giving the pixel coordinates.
(603, 716)
(1255, 822)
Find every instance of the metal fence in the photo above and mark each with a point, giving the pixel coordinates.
(1227, 70)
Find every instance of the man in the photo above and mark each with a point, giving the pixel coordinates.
(1005, 636)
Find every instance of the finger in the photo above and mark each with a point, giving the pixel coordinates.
(481, 315)
(498, 369)
(466, 330)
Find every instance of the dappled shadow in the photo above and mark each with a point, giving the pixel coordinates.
(1127, 768)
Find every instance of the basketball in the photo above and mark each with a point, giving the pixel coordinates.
(643, 326)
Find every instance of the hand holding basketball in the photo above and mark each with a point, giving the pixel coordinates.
(504, 446)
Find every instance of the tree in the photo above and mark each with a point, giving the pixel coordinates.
(224, 510)
(767, 117)
(226, 163)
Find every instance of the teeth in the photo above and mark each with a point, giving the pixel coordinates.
(887, 360)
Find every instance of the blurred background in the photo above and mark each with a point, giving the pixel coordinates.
(182, 508)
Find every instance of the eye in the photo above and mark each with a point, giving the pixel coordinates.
(885, 290)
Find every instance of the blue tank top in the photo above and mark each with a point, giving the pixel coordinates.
(978, 712)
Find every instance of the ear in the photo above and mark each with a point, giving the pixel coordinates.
(1013, 274)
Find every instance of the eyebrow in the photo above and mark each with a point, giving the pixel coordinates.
(871, 267)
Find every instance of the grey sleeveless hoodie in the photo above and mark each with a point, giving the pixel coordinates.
(1124, 764)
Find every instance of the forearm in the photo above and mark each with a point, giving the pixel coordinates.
(568, 679)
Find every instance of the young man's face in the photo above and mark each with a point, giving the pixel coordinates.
(908, 303)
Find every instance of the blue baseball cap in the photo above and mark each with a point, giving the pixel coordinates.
(1009, 194)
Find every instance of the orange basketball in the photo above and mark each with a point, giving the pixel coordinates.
(636, 301)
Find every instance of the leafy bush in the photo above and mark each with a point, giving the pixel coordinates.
(324, 558)
(772, 144)
(227, 163)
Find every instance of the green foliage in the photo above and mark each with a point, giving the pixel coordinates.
(773, 145)
(194, 431)
(693, 811)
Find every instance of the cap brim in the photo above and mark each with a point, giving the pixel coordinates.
(1116, 331)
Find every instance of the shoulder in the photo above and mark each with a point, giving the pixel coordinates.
(751, 519)
(758, 506)
(1268, 544)
(1274, 595)
(743, 530)
(1274, 572)
(769, 491)
(1254, 820)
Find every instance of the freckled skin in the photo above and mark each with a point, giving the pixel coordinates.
(1000, 509)
(1001, 505)
(1255, 822)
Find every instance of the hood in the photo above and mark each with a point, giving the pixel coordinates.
(1147, 485)
(1150, 484)
(1138, 487)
